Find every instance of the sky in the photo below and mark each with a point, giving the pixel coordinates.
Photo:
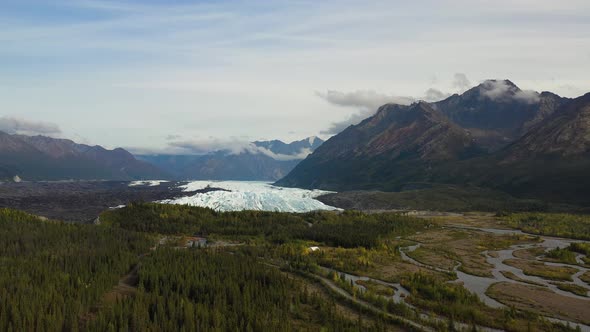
(156, 75)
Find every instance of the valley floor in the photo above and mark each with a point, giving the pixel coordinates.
(507, 269)
(194, 268)
(80, 201)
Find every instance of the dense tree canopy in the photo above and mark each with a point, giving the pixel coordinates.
(54, 277)
(201, 290)
(51, 272)
(575, 226)
(347, 229)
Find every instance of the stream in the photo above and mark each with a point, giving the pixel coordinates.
(399, 291)
(479, 285)
(399, 297)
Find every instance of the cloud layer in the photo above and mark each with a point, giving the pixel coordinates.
(232, 145)
(144, 69)
(461, 82)
(366, 102)
(500, 90)
(368, 99)
(13, 125)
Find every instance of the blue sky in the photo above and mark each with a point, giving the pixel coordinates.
(144, 74)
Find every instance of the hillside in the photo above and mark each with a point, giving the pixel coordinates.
(566, 134)
(538, 146)
(497, 112)
(383, 151)
(45, 158)
(551, 161)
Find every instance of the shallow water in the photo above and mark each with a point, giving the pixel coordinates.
(479, 285)
(398, 296)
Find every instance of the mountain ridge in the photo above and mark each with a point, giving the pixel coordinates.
(497, 112)
(413, 136)
(547, 152)
(45, 158)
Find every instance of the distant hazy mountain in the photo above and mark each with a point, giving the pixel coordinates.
(293, 148)
(538, 145)
(45, 158)
(264, 161)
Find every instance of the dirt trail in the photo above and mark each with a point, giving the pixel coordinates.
(126, 287)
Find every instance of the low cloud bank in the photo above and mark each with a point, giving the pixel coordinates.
(368, 101)
(362, 98)
(461, 82)
(13, 125)
(500, 90)
(233, 146)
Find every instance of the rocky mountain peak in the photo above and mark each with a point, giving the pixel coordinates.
(564, 134)
(413, 135)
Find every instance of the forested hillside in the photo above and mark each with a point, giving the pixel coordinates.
(51, 272)
(140, 270)
(54, 277)
(199, 290)
(348, 229)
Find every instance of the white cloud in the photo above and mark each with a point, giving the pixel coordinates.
(432, 95)
(527, 96)
(461, 82)
(366, 99)
(232, 145)
(366, 102)
(228, 68)
(338, 126)
(301, 154)
(505, 90)
(13, 125)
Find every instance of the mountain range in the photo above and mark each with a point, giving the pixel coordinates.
(261, 160)
(37, 158)
(46, 158)
(494, 135)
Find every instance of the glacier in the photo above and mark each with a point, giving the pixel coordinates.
(149, 183)
(251, 195)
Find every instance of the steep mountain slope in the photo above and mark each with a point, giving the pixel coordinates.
(45, 158)
(397, 144)
(497, 112)
(551, 161)
(538, 146)
(564, 135)
(13, 152)
(264, 161)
